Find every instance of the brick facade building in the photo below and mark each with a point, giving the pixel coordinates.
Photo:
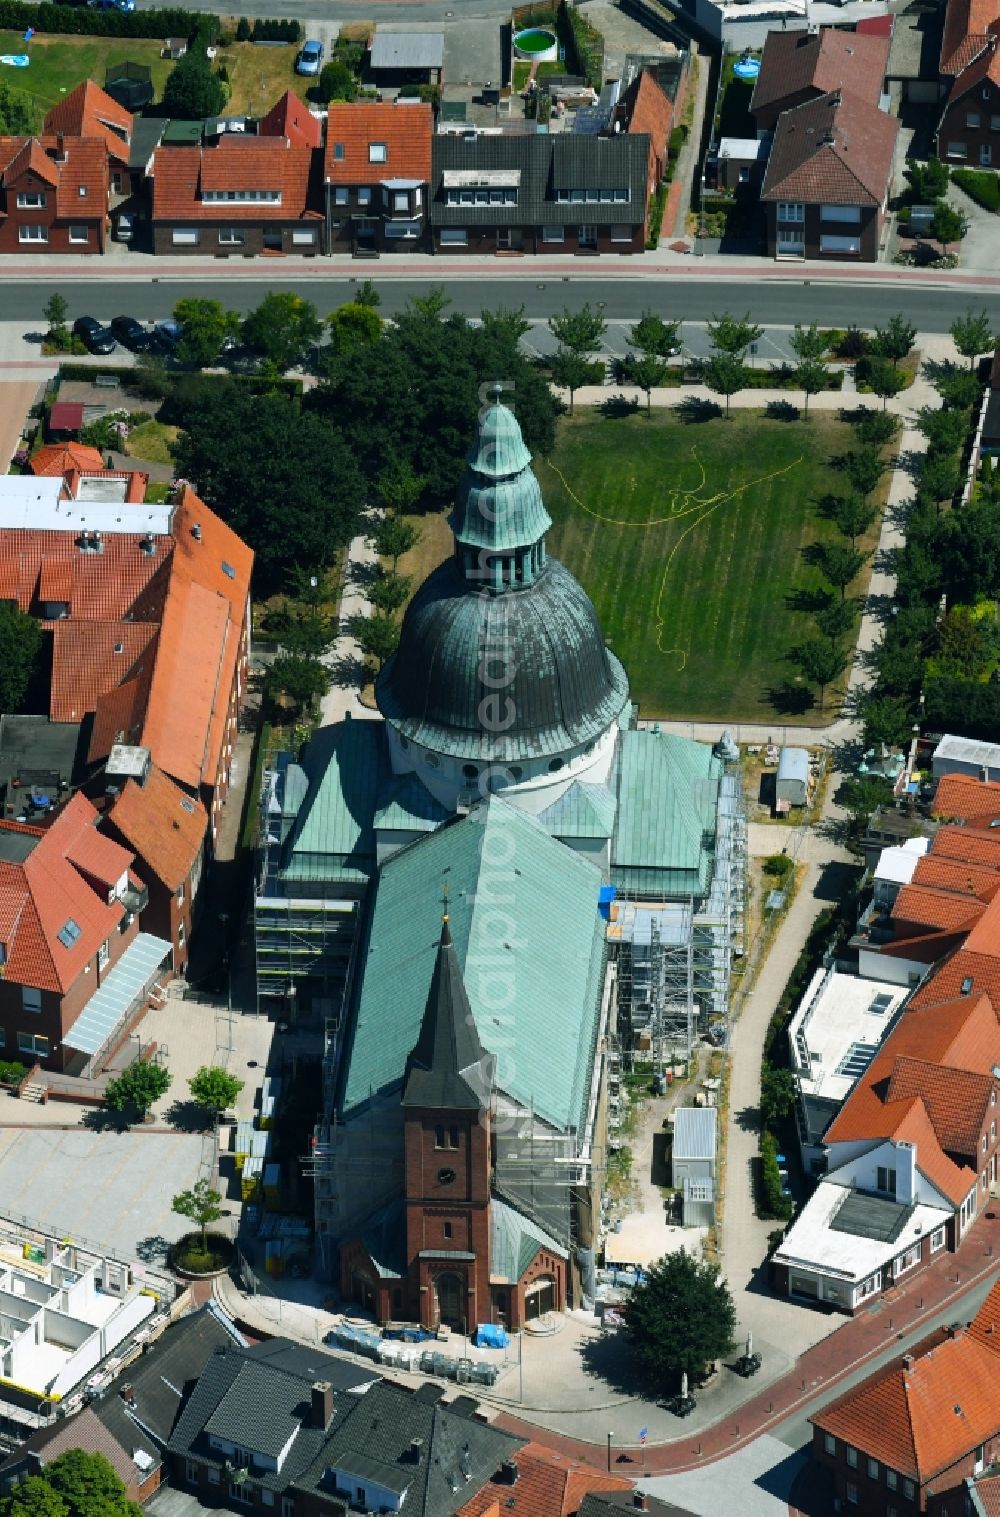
(53, 194)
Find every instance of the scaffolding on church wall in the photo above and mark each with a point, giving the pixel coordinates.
(675, 957)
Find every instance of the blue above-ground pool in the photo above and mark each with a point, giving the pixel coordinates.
(747, 68)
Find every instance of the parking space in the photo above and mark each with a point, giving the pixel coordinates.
(771, 348)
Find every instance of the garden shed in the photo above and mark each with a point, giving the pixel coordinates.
(791, 785)
(693, 1155)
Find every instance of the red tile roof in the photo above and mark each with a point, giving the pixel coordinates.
(89, 658)
(985, 1326)
(651, 112)
(985, 66)
(967, 25)
(83, 178)
(943, 873)
(973, 846)
(920, 1418)
(830, 59)
(549, 1484)
(940, 909)
(291, 118)
(406, 130)
(105, 585)
(21, 155)
(837, 149)
(120, 713)
(987, 1489)
(39, 896)
(965, 798)
(60, 457)
(165, 827)
(88, 111)
(181, 174)
(956, 1100)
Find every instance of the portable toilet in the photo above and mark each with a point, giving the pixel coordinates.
(272, 1185)
(270, 1093)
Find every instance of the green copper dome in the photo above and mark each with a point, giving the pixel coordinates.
(499, 508)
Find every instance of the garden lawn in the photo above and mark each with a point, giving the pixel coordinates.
(151, 441)
(689, 539)
(58, 64)
(259, 76)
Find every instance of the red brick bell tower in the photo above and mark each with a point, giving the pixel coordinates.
(447, 1092)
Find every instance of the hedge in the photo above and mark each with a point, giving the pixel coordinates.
(676, 141)
(980, 186)
(285, 29)
(81, 20)
(772, 1205)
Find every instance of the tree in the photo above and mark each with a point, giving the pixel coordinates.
(20, 646)
(34, 1497)
(76, 1484)
(807, 343)
(947, 224)
(18, 117)
(680, 1319)
(351, 327)
(886, 720)
(777, 1096)
(509, 322)
(839, 563)
(812, 378)
(940, 477)
(283, 329)
(894, 341)
(393, 537)
(367, 295)
(733, 334)
(243, 32)
(651, 334)
(874, 427)
(945, 430)
(55, 311)
(852, 515)
(377, 635)
(214, 1088)
(864, 468)
(138, 1087)
(282, 478)
(336, 82)
(884, 379)
(726, 374)
(820, 662)
(201, 1205)
(302, 678)
(580, 332)
(206, 325)
(647, 372)
(571, 371)
(835, 619)
(398, 490)
(928, 181)
(192, 91)
(958, 389)
(388, 592)
(972, 335)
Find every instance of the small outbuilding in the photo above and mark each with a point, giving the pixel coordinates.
(692, 1164)
(791, 785)
(407, 57)
(966, 755)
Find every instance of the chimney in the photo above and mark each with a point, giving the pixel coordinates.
(322, 1404)
(508, 1473)
(196, 532)
(640, 1501)
(60, 148)
(416, 1450)
(907, 1361)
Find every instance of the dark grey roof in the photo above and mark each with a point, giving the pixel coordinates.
(33, 748)
(163, 1379)
(546, 163)
(457, 1455)
(311, 1364)
(566, 690)
(402, 50)
(448, 1070)
(146, 134)
(599, 1503)
(250, 1414)
(875, 1217)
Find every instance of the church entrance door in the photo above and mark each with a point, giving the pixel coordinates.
(539, 1298)
(450, 1299)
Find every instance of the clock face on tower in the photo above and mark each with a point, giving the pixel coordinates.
(446, 1176)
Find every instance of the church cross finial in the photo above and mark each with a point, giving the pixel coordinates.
(444, 901)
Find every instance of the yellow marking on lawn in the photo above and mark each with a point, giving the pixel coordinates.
(682, 503)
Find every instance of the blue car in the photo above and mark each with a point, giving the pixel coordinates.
(310, 59)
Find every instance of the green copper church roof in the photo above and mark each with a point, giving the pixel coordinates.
(534, 984)
(515, 1240)
(499, 505)
(333, 838)
(582, 811)
(667, 799)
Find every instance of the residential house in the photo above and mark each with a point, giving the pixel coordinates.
(76, 968)
(59, 459)
(165, 829)
(828, 179)
(983, 1494)
(236, 195)
(560, 193)
(536, 1479)
(916, 1434)
(969, 129)
(798, 67)
(968, 28)
(377, 173)
(89, 111)
(968, 801)
(54, 194)
(646, 110)
(292, 119)
(131, 1425)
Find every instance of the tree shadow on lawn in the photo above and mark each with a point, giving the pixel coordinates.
(808, 600)
(694, 410)
(790, 699)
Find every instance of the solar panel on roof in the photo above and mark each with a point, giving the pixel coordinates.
(856, 1060)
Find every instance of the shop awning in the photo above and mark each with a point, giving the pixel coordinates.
(114, 998)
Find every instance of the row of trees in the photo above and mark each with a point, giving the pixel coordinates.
(930, 665)
(142, 1084)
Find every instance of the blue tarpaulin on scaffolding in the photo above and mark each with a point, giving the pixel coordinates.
(605, 896)
(490, 1335)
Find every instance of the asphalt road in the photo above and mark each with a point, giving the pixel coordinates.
(776, 305)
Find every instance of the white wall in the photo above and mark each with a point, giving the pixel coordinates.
(898, 971)
(860, 1169)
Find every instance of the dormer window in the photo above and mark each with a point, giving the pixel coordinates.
(378, 152)
(338, 150)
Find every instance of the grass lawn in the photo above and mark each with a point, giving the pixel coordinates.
(150, 441)
(58, 64)
(689, 539)
(734, 119)
(434, 545)
(260, 75)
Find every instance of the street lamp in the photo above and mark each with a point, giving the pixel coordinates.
(610, 1436)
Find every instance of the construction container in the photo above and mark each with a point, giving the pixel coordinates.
(250, 1177)
(260, 1146)
(269, 1097)
(242, 1143)
(272, 1185)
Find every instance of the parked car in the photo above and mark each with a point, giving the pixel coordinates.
(96, 339)
(166, 335)
(131, 334)
(310, 59)
(124, 226)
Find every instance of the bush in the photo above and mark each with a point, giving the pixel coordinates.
(243, 30)
(853, 344)
(284, 29)
(873, 427)
(657, 204)
(80, 20)
(980, 185)
(188, 1254)
(11, 1072)
(676, 141)
(778, 866)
